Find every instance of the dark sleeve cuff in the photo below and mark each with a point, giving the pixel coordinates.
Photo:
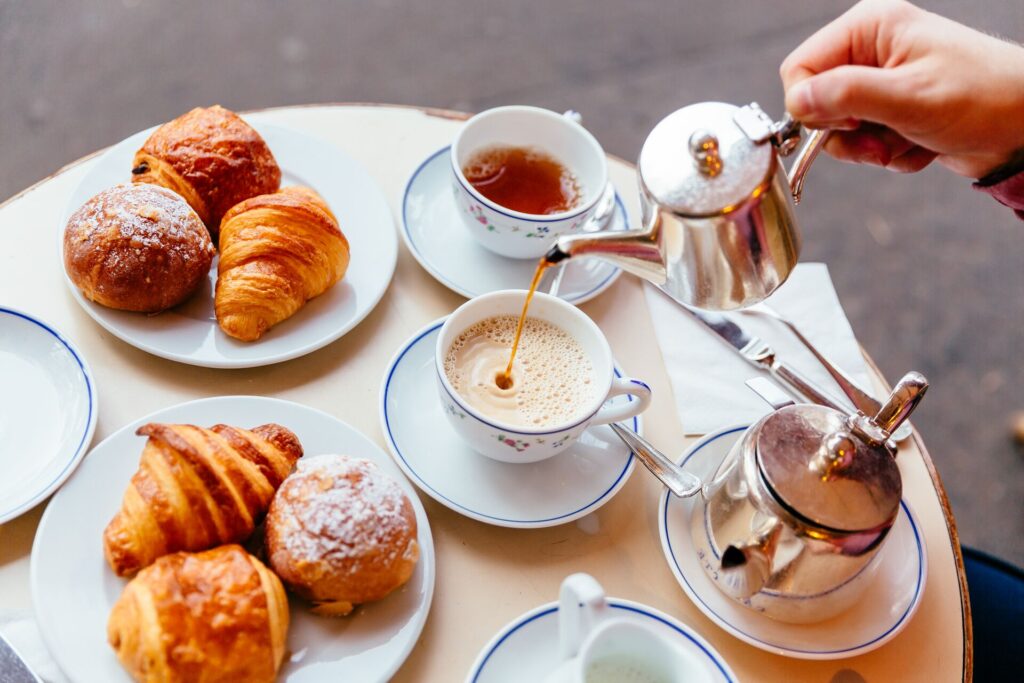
(1006, 185)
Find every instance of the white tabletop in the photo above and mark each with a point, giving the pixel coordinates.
(485, 575)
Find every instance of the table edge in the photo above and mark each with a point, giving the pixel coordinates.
(455, 115)
(954, 536)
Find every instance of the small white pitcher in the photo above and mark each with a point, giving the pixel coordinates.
(597, 647)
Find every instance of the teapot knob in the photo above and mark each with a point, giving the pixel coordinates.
(837, 452)
(704, 148)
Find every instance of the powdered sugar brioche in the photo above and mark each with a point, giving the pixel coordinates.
(137, 248)
(340, 532)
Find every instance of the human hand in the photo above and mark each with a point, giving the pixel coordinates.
(904, 87)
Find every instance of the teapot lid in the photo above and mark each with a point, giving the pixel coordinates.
(707, 158)
(828, 468)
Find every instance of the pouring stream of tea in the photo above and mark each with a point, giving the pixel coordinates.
(504, 379)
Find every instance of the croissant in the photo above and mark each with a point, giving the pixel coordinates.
(208, 617)
(197, 488)
(277, 251)
(212, 158)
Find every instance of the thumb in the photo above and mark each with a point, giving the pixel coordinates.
(845, 92)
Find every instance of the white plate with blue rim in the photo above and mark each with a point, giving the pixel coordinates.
(188, 333)
(433, 229)
(73, 589)
(555, 491)
(47, 413)
(882, 612)
(527, 648)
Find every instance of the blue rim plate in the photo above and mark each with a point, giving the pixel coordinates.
(536, 634)
(433, 231)
(884, 610)
(188, 333)
(73, 589)
(555, 491)
(48, 416)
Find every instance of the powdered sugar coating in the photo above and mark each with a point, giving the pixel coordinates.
(341, 529)
(137, 247)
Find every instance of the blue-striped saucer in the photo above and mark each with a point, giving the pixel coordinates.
(885, 608)
(47, 411)
(527, 648)
(555, 491)
(433, 229)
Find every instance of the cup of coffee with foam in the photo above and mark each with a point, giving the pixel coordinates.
(561, 378)
(523, 176)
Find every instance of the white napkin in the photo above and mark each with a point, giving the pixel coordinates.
(20, 630)
(708, 377)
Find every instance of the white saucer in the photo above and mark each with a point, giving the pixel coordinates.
(47, 411)
(189, 333)
(560, 489)
(433, 230)
(527, 648)
(884, 610)
(73, 589)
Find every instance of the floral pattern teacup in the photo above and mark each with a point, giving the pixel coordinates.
(513, 233)
(494, 439)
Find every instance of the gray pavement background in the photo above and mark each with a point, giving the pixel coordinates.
(931, 273)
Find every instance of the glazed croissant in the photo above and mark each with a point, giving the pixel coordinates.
(277, 251)
(209, 617)
(197, 488)
(212, 158)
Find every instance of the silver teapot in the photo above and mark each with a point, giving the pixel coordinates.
(719, 230)
(794, 517)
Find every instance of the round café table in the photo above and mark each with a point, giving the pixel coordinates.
(486, 575)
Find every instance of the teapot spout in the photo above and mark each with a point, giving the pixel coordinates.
(640, 252)
(746, 567)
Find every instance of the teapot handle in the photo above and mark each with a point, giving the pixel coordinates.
(905, 396)
(784, 135)
(803, 160)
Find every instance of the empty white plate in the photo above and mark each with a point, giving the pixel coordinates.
(188, 333)
(48, 411)
(555, 491)
(527, 648)
(73, 589)
(885, 608)
(433, 230)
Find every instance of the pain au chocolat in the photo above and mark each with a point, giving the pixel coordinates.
(212, 158)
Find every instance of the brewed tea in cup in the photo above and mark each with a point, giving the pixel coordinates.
(522, 176)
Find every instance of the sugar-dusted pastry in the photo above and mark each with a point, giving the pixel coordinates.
(341, 532)
(137, 248)
(197, 488)
(213, 617)
(277, 251)
(212, 158)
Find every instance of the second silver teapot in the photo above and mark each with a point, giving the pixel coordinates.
(719, 231)
(792, 521)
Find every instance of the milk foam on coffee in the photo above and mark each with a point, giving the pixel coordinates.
(552, 377)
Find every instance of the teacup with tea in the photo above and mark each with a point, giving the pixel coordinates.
(561, 378)
(523, 176)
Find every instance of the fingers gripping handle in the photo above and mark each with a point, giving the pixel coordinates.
(640, 392)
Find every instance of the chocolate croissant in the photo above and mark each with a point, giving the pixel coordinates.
(197, 488)
(277, 251)
(212, 158)
(215, 616)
